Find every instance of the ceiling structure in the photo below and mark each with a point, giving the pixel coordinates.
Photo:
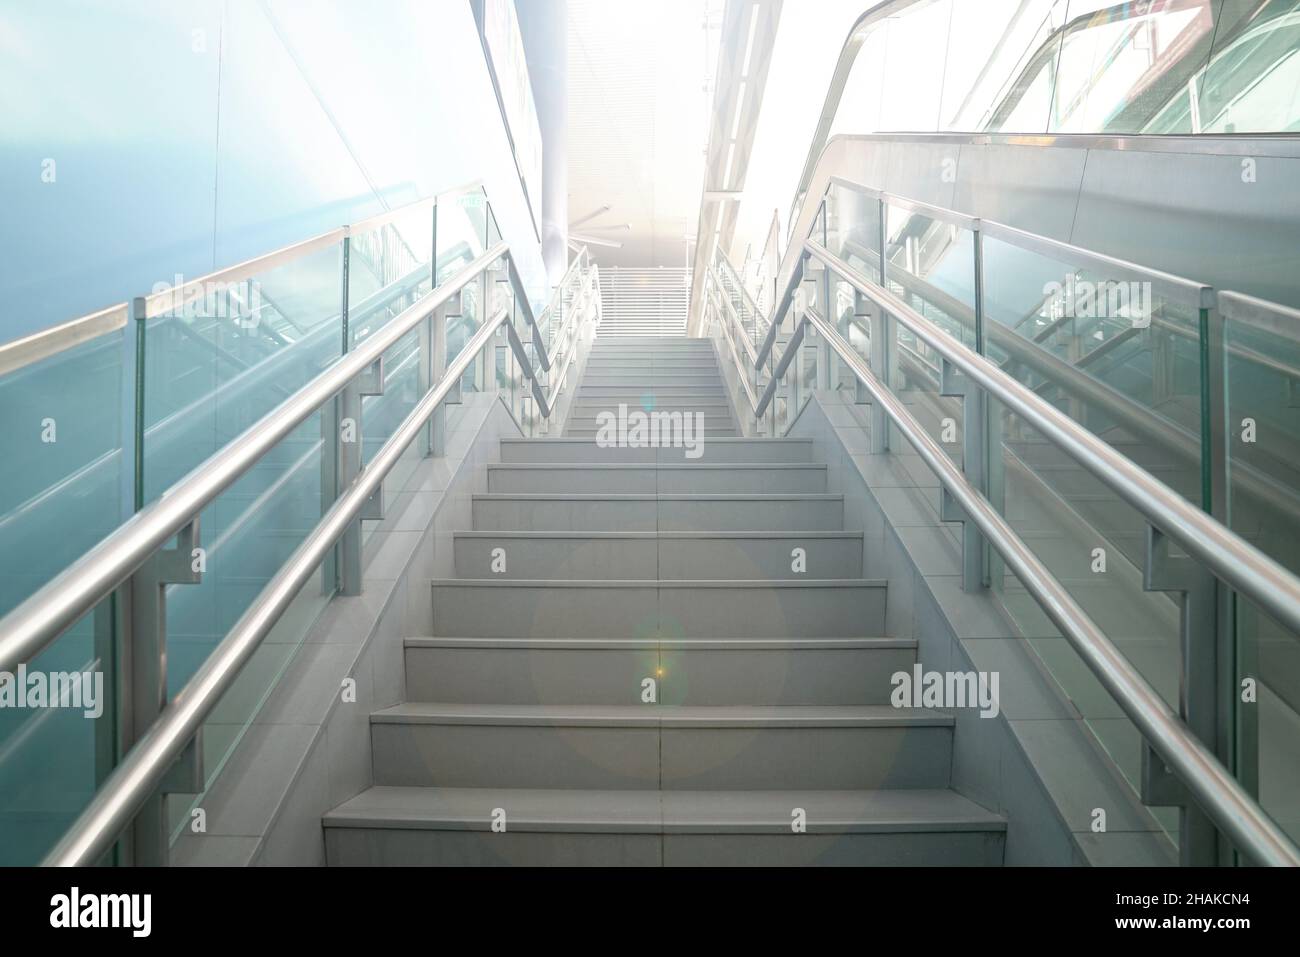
(640, 93)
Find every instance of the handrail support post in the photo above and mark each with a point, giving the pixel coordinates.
(143, 695)
(436, 358)
(974, 573)
(1196, 591)
(351, 451)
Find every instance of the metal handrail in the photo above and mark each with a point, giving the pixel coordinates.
(1219, 794)
(47, 613)
(1232, 559)
(20, 353)
(45, 343)
(143, 768)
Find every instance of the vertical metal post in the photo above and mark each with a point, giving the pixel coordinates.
(344, 268)
(1237, 735)
(143, 689)
(331, 414)
(425, 379)
(329, 483)
(985, 449)
(1198, 701)
(973, 545)
(350, 462)
(882, 332)
(139, 316)
(433, 256)
(438, 421)
(864, 312)
(824, 354)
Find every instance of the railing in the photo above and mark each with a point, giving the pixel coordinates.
(123, 579)
(1187, 551)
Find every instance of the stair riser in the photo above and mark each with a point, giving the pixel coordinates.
(636, 396)
(648, 378)
(619, 364)
(666, 558)
(376, 847)
(649, 480)
(648, 515)
(619, 758)
(637, 611)
(633, 353)
(708, 406)
(749, 451)
(701, 430)
(404, 847)
(532, 676)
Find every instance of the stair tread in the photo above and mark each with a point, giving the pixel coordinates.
(703, 644)
(653, 496)
(659, 715)
(756, 583)
(663, 466)
(537, 809)
(559, 440)
(641, 536)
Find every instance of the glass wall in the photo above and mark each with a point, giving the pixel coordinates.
(1078, 66)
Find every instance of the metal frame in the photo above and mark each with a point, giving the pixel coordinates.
(20, 353)
(1231, 558)
(135, 781)
(1207, 782)
(1216, 561)
(161, 735)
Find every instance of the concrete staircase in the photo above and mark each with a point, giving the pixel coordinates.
(646, 680)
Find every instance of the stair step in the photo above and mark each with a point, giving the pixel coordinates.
(678, 512)
(651, 555)
(702, 671)
(705, 404)
(631, 609)
(640, 392)
(634, 364)
(625, 477)
(701, 431)
(716, 450)
(634, 747)
(445, 826)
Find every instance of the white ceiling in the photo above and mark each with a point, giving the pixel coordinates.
(639, 105)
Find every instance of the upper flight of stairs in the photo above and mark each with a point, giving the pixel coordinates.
(651, 374)
(643, 302)
(628, 568)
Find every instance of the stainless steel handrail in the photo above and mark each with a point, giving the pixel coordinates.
(143, 768)
(1232, 559)
(56, 606)
(20, 353)
(1214, 788)
(40, 345)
